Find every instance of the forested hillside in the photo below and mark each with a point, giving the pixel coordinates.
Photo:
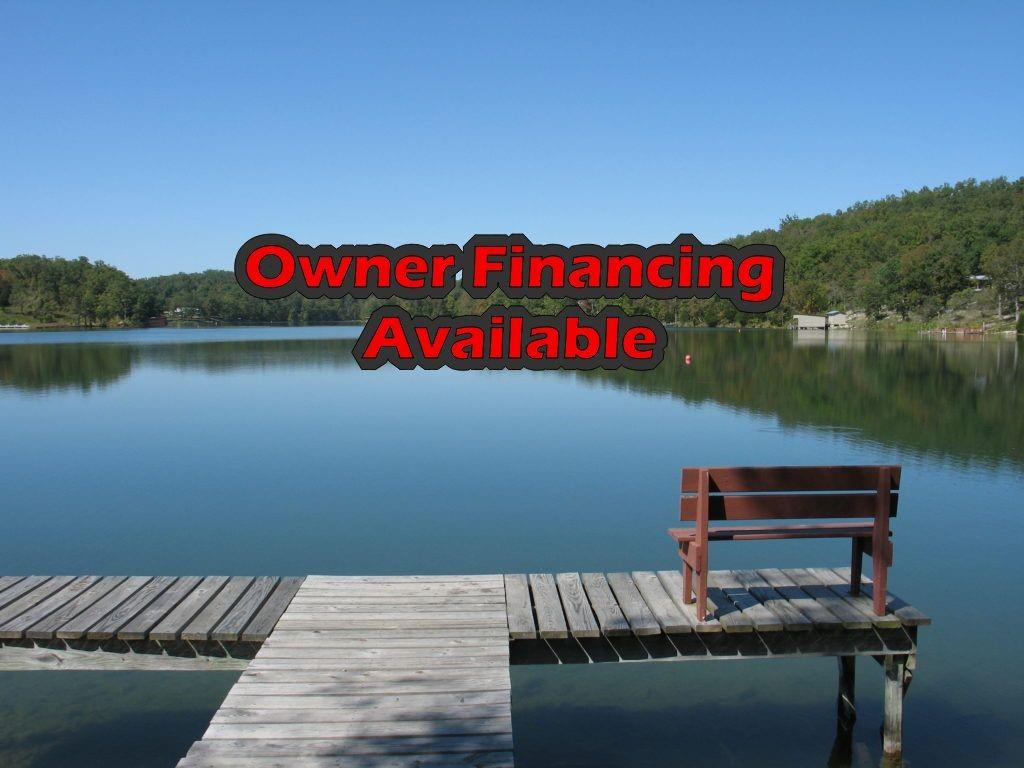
(910, 254)
(71, 292)
(907, 256)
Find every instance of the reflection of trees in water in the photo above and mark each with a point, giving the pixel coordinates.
(226, 356)
(959, 399)
(42, 367)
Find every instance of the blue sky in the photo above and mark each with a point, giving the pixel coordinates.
(160, 137)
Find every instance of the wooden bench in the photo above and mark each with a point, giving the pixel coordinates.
(787, 493)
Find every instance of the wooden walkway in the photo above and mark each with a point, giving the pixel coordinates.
(374, 671)
(640, 616)
(143, 622)
(414, 670)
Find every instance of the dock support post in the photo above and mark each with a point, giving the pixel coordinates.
(846, 709)
(896, 681)
(841, 755)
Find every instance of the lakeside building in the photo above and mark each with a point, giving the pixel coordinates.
(832, 319)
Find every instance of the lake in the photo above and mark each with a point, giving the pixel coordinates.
(268, 451)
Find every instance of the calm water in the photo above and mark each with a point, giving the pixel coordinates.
(247, 451)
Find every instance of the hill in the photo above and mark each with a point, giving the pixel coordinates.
(905, 257)
(910, 254)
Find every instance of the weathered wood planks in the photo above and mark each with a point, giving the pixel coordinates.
(171, 626)
(434, 609)
(577, 609)
(645, 603)
(519, 607)
(550, 619)
(409, 671)
(266, 617)
(139, 627)
(641, 619)
(16, 627)
(609, 615)
(668, 615)
(392, 683)
(908, 614)
(139, 609)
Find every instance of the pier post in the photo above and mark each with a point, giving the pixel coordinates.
(896, 681)
(846, 708)
(841, 755)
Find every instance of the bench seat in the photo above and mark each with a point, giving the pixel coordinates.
(752, 532)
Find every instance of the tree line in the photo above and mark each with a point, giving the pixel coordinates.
(910, 255)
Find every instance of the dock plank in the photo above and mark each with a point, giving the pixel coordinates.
(762, 619)
(641, 619)
(790, 616)
(170, 627)
(139, 627)
(231, 626)
(46, 629)
(850, 616)
(672, 581)
(479, 760)
(76, 627)
(521, 625)
(577, 609)
(729, 615)
(908, 614)
(15, 627)
(861, 602)
(107, 627)
(33, 595)
(814, 610)
(609, 616)
(21, 587)
(388, 684)
(202, 625)
(267, 617)
(8, 581)
(668, 615)
(350, 748)
(550, 619)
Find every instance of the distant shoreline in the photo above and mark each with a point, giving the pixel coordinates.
(1003, 329)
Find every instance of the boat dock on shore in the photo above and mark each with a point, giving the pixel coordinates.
(414, 670)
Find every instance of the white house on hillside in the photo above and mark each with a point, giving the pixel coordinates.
(811, 322)
(837, 319)
(833, 319)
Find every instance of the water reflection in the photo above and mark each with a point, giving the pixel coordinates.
(957, 400)
(960, 400)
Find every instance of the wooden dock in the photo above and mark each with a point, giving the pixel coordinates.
(138, 622)
(414, 670)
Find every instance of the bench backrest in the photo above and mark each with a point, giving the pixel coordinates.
(781, 493)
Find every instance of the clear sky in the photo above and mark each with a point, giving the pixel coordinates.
(160, 137)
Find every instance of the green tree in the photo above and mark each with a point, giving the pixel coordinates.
(1004, 263)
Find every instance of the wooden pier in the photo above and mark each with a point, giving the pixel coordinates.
(138, 622)
(414, 670)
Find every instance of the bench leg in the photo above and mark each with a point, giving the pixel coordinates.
(702, 592)
(880, 577)
(856, 565)
(687, 576)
